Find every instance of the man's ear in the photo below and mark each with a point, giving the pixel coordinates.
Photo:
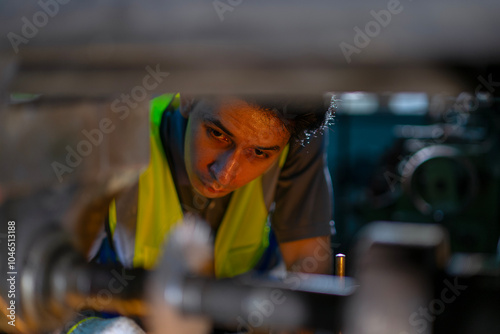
(186, 105)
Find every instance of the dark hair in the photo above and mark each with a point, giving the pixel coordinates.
(302, 116)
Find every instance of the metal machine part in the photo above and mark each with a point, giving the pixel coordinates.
(433, 238)
(395, 266)
(55, 282)
(297, 301)
(62, 162)
(434, 176)
(69, 157)
(340, 265)
(445, 172)
(252, 46)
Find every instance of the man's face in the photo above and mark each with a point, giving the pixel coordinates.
(228, 144)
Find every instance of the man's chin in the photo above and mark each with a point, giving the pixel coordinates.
(218, 195)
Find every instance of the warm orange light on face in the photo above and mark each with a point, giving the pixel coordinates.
(228, 144)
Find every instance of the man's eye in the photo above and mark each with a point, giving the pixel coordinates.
(217, 134)
(260, 153)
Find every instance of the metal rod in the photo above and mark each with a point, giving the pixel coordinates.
(263, 306)
(340, 265)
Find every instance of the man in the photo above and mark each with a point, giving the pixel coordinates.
(214, 149)
(237, 163)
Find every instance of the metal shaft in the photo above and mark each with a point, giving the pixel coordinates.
(340, 265)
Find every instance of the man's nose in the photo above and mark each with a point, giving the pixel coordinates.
(225, 168)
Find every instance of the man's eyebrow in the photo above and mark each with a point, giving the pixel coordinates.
(271, 148)
(217, 123)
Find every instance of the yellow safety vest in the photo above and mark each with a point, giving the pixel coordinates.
(242, 236)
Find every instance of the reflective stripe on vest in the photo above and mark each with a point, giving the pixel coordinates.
(243, 234)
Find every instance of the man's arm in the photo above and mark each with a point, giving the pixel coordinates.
(312, 255)
(303, 211)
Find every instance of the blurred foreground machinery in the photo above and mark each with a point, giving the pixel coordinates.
(62, 162)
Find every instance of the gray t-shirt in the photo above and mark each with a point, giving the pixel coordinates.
(298, 196)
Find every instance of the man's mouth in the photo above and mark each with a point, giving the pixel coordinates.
(213, 187)
(213, 190)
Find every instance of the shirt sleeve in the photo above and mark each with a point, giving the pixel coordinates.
(303, 195)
